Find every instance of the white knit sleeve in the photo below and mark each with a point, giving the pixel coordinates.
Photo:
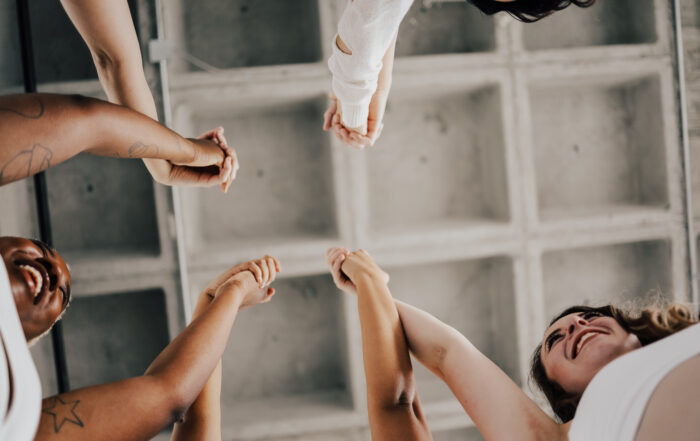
(367, 28)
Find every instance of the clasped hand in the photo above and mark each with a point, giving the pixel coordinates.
(347, 268)
(332, 119)
(251, 280)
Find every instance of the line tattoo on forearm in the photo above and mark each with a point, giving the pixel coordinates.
(26, 163)
(31, 113)
(141, 150)
(62, 412)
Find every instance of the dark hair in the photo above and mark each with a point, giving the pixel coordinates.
(652, 324)
(528, 10)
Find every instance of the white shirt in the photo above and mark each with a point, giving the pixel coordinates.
(613, 404)
(19, 418)
(367, 28)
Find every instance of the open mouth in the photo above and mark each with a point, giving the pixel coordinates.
(582, 340)
(36, 280)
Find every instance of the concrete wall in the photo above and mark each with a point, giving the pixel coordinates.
(522, 168)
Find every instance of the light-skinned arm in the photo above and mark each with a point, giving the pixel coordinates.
(108, 31)
(498, 407)
(140, 407)
(332, 118)
(392, 401)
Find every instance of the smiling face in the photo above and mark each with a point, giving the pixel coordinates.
(579, 345)
(40, 282)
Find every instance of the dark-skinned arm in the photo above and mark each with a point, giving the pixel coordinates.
(139, 408)
(43, 130)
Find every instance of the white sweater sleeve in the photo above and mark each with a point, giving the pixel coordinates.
(367, 28)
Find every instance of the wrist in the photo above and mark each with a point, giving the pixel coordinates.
(370, 279)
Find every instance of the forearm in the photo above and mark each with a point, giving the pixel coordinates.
(385, 353)
(386, 74)
(428, 338)
(202, 421)
(187, 362)
(42, 130)
(367, 32)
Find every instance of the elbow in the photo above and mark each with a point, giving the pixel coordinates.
(113, 66)
(403, 395)
(175, 400)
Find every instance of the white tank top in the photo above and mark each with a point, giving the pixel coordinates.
(613, 404)
(19, 410)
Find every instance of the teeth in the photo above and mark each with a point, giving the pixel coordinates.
(38, 279)
(583, 339)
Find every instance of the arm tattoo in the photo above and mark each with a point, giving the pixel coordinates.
(62, 412)
(141, 150)
(25, 163)
(36, 114)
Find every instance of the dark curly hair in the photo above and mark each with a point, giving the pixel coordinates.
(528, 10)
(652, 324)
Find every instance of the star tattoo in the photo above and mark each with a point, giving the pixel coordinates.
(62, 412)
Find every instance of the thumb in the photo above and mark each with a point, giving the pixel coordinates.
(205, 152)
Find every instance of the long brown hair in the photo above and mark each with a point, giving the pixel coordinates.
(528, 10)
(652, 324)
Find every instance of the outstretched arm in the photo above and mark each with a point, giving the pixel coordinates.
(108, 31)
(498, 407)
(43, 130)
(202, 421)
(392, 400)
(138, 408)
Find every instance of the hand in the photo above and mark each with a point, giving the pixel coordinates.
(334, 258)
(230, 165)
(214, 163)
(332, 118)
(354, 266)
(252, 283)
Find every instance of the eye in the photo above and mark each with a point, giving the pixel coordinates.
(553, 339)
(591, 314)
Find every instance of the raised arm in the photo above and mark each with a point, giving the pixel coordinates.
(43, 130)
(202, 421)
(138, 408)
(108, 31)
(363, 51)
(498, 407)
(392, 401)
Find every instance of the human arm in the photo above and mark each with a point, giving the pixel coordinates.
(138, 408)
(377, 106)
(392, 401)
(43, 130)
(498, 407)
(202, 421)
(108, 31)
(366, 32)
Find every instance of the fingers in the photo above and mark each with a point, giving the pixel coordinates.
(328, 115)
(268, 296)
(257, 273)
(268, 267)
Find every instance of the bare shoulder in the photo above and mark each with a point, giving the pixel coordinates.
(674, 403)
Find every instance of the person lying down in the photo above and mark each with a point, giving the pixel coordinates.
(608, 374)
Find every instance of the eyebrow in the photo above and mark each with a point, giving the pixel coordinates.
(44, 248)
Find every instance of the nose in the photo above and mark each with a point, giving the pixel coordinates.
(576, 322)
